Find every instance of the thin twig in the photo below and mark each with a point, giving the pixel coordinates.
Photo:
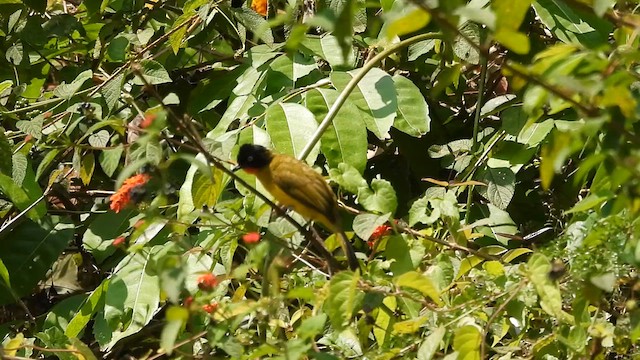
(495, 314)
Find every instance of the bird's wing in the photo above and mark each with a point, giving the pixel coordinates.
(303, 184)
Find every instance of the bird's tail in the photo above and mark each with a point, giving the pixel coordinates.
(350, 253)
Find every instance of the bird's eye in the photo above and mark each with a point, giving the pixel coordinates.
(250, 159)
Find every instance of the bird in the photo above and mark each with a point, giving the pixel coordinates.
(295, 185)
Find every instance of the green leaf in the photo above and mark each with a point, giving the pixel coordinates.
(30, 250)
(420, 48)
(589, 203)
(512, 254)
(365, 224)
(382, 330)
(570, 26)
(534, 134)
(15, 54)
(258, 25)
(153, 73)
(19, 197)
(466, 342)
(88, 165)
(93, 303)
(4, 275)
(510, 14)
(400, 253)
(411, 20)
(467, 264)
(207, 188)
(381, 197)
(290, 127)
(99, 139)
(499, 222)
(461, 46)
(311, 327)
(213, 90)
(501, 183)
(513, 40)
(19, 164)
(176, 318)
(176, 38)
(5, 154)
(345, 140)
(413, 111)
(431, 344)
(539, 268)
(422, 283)
(112, 90)
(374, 95)
(110, 159)
(66, 91)
(348, 177)
(328, 48)
(131, 300)
(344, 298)
(102, 230)
(31, 127)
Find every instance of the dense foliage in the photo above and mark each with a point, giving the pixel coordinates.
(485, 153)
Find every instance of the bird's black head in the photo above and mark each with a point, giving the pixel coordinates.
(253, 157)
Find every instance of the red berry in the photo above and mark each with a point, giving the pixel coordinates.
(210, 308)
(251, 237)
(207, 282)
(119, 241)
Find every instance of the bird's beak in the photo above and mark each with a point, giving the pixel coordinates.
(236, 168)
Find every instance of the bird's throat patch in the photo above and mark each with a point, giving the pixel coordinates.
(251, 170)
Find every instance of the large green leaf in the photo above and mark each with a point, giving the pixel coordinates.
(328, 48)
(20, 198)
(413, 111)
(344, 298)
(375, 96)
(571, 26)
(290, 127)
(103, 229)
(30, 250)
(91, 305)
(345, 140)
(131, 300)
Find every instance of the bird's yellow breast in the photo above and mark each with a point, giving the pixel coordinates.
(285, 199)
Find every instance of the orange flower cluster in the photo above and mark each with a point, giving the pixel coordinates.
(122, 197)
(260, 6)
(251, 237)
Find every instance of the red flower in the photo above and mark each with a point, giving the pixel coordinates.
(251, 237)
(207, 282)
(122, 197)
(188, 301)
(210, 308)
(119, 241)
(260, 6)
(379, 232)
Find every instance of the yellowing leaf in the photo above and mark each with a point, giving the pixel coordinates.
(466, 342)
(422, 283)
(409, 326)
(413, 21)
(13, 345)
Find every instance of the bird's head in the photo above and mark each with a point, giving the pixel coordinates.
(252, 158)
